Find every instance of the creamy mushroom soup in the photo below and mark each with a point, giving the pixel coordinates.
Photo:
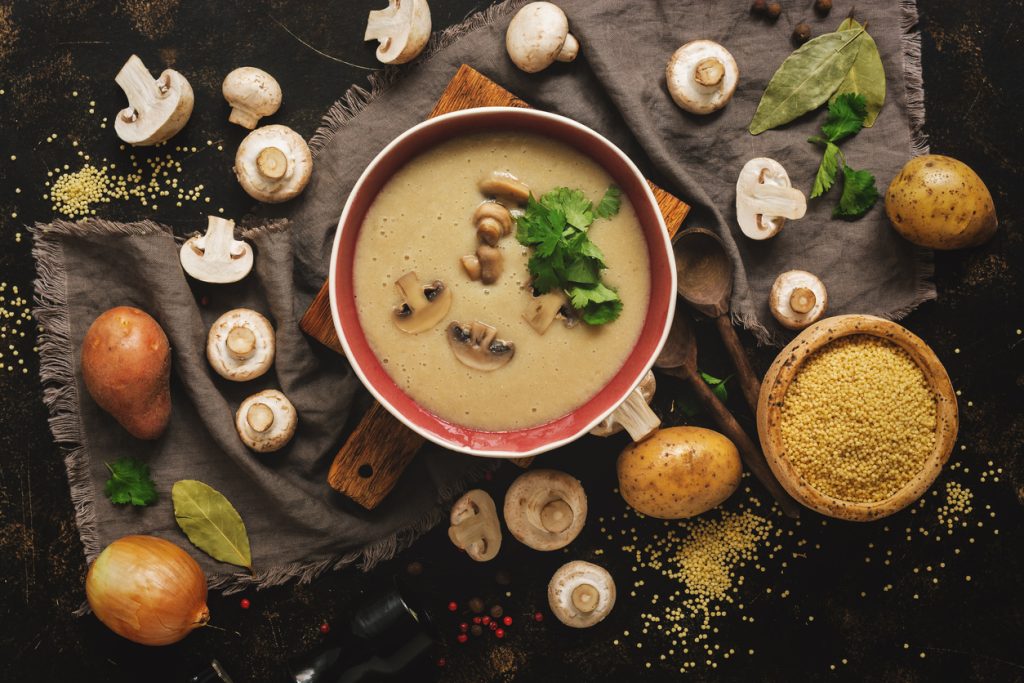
(422, 223)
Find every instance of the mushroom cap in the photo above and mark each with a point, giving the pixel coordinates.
(581, 594)
(403, 29)
(157, 109)
(504, 187)
(283, 183)
(803, 290)
(765, 198)
(252, 94)
(423, 304)
(266, 421)
(610, 425)
(474, 525)
(252, 356)
(216, 256)
(683, 77)
(536, 36)
(545, 509)
(476, 346)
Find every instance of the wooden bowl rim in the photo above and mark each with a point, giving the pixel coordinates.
(785, 367)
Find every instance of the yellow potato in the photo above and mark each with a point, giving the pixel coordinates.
(939, 202)
(679, 472)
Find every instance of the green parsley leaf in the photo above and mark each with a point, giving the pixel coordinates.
(598, 304)
(846, 116)
(859, 194)
(578, 210)
(827, 170)
(609, 204)
(717, 386)
(130, 483)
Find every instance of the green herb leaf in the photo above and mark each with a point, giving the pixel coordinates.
(845, 117)
(130, 483)
(609, 204)
(827, 170)
(578, 210)
(598, 304)
(806, 79)
(211, 522)
(717, 386)
(859, 194)
(866, 75)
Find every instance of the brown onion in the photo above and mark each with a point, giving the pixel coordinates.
(148, 590)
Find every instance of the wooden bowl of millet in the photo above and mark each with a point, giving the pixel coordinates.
(856, 417)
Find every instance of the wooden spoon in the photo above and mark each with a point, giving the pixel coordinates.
(705, 282)
(679, 358)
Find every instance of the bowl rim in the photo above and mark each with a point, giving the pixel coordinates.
(785, 368)
(578, 431)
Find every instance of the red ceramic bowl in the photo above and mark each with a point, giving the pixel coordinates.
(522, 442)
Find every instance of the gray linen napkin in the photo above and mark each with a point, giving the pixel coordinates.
(298, 526)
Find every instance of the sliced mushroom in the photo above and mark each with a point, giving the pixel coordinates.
(216, 256)
(157, 109)
(542, 310)
(581, 594)
(475, 527)
(505, 188)
(471, 264)
(423, 305)
(240, 345)
(402, 29)
(538, 36)
(266, 421)
(491, 263)
(797, 299)
(702, 76)
(476, 347)
(252, 94)
(545, 509)
(613, 423)
(273, 164)
(493, 221)
(765, 199)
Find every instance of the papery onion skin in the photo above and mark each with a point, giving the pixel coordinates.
(147, 590)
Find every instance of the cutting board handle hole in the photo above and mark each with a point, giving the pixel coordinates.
(365, 471)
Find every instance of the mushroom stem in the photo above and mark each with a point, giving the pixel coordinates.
(570, 48)
(802, 300)
(585, 597)
(241, 342)
(260, 417)
(709, 72)
(636, 416)
(556, 516)
(272, 163)
(138, 84)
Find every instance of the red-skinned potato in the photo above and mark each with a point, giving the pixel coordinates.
(126, 365)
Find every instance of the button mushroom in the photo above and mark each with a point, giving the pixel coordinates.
(542, 310)
(493, 221)
(266, 421)
(475, 527)
(797, 299)
(701, 76)
(157, 109)
(240, 345)
(765, 199)
(402, 29)
(252, 94)
(538, 36)
(423, 305)
(475, 346)
(581, 594)
(216, 256)
(614, 423)
(273, 164)
(505, 188)
(545, 509)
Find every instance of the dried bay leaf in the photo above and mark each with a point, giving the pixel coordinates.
(866, 75)
(211, 522)
(806, 79)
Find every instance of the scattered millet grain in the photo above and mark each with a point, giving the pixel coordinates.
(858, 419)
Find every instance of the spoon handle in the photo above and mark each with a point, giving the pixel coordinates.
(749, 452)
(749, 383)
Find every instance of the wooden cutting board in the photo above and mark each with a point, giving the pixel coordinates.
(380, 448)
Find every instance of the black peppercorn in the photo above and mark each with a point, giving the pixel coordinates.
(476, 605)
(823, 7)
(496, 612)
(802, 33)
(759, 7)
(774, 10)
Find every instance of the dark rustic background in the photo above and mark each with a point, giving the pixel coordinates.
(863, 602)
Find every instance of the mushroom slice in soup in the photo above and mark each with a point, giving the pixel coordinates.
(423, 304)
(475, 345)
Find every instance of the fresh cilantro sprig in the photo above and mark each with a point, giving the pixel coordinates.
(845, 119)
(688, 402)
(130, 483)
(563, 256)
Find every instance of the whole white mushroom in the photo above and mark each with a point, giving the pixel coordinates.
(702, 76)
(538, 36)
(273, 164)
(252, 94)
